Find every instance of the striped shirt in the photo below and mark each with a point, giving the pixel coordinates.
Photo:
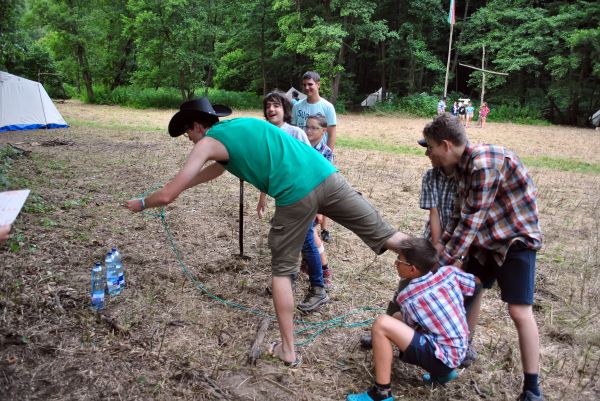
(433, 305)
(437, 191)
(495, 206)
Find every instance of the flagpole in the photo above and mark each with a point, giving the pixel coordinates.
(448, 62)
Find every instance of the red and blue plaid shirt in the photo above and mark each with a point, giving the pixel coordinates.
(495, 206)
(433, 305)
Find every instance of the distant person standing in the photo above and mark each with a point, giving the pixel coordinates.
(455, 109)
(295, 97)
(470, 111)
(462, 113)
(441, 107)
(484, 110)
(314, 105)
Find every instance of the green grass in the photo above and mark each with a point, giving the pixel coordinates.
(552, 163)
(366, 144)
(562, 164)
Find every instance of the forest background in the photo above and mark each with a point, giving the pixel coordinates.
(156, 53)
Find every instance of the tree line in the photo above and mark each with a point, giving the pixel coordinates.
(550, 49)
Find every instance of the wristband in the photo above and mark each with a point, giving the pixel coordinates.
(143, 203)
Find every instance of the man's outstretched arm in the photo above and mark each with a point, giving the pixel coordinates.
(192, 173)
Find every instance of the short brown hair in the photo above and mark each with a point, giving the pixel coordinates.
(420, 253)
(319, 118)
(446, 127)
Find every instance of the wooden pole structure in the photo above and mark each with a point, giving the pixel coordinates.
(483, 72)
(448, 62)
(482, 75)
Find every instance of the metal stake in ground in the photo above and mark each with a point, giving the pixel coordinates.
(241, 218)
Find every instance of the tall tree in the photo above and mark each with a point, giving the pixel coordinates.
(175, 42)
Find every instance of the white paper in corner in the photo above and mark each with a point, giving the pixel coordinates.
(11, 203)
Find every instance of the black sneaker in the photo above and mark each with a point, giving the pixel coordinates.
(529, 396)
(315, 297)
(470, 357)
(366, 342)
(325, 236)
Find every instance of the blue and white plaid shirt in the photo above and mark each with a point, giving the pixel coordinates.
(325, 150)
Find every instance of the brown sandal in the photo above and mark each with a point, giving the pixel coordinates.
(293, 365)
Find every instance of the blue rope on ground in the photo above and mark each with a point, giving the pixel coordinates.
(311, 329)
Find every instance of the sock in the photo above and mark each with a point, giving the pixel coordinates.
(531, 383)
(325, 267)
(380, 391)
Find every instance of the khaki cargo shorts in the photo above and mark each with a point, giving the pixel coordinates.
(336, 199)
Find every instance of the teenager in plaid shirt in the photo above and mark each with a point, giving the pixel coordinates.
(430, 328)
(495, 227)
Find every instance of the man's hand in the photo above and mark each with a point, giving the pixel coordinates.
(135, 205)
(319, 219)
(261, 207)
(4, 231)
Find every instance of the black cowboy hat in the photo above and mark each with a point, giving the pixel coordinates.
(193, 108)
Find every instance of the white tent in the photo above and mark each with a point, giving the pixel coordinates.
(24, 105)
(292, 89)
(372, 98)
(595, 119)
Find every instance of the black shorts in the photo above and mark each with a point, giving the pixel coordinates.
(516, 276)
(421, 352)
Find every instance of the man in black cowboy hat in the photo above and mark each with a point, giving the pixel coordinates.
(302, 182)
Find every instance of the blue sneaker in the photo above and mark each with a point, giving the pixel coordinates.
(427, 378)
(364, 397)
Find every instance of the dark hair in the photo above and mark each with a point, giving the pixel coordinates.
(320, 119)
(205, 119)
(278, 96)
(312, 75)
(446, 127)
(419, 252)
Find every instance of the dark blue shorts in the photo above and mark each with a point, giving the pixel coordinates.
(421, 352)
(516, 276)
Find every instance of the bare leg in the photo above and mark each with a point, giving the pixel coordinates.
(319, 244)
(473, 312)
(385, 331)
(283, 300)
(529, 339)
(324, 223)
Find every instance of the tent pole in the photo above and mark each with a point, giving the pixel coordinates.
(42, 103)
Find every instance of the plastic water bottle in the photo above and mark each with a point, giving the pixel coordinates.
(112, 276)
(97, 287)
(120, 268)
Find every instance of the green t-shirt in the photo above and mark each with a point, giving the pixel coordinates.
(272, 161)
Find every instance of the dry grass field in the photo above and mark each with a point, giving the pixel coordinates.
(164, 338)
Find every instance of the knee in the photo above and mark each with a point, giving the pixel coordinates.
(380, 324)
(520, 313)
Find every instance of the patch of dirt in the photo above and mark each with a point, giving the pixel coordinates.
(164, 338)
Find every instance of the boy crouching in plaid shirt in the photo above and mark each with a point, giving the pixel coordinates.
(430, 328)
